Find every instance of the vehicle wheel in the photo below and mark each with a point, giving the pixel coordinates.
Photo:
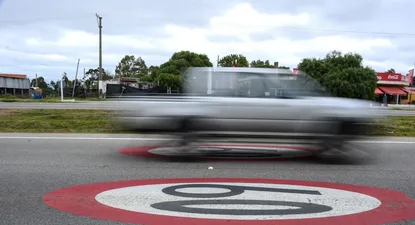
(186, 139)
(342, 153)
(186, 135)
(328, 146)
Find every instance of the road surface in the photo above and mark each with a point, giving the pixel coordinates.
(32, 165)
(116, 105)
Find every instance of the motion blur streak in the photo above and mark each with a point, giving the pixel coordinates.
(252, 103)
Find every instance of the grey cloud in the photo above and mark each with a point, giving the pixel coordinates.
(352, 10)
(361, 15)
(294, 34)
(370, 15)
(282, 6)
(262, 36)
(121, 16)
(45, 18)
(218, 38)
(403, 51)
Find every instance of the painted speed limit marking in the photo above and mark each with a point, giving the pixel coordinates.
(226, 151)
(233, 201)
(247, 201)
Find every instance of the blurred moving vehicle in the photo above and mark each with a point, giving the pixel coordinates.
(251, 103)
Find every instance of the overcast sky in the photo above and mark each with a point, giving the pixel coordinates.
(48, 36)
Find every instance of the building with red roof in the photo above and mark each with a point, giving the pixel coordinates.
(395, 87)
(15, 84)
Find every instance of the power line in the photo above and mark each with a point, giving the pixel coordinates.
(310, 30)
(375, 33)
(48, 19)
(269, 27)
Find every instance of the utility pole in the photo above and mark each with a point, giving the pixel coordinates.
(63, 76)
(99, 20)
(36, 81)
(76, 77)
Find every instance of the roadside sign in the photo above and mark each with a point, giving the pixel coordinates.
(233, 201)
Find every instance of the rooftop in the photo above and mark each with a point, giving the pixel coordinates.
(16, 76)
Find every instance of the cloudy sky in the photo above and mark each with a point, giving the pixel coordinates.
(48, 36)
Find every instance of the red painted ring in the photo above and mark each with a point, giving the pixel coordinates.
(80, 200)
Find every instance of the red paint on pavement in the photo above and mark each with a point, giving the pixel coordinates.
(80, 200)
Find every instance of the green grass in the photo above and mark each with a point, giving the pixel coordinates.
(412, 108)
(57, 121)
(12, 98)
(28, 100)
(400, 126)
(99, 121)
(49, 100)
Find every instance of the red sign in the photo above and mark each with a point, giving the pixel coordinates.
(392, 77)
(411, 76)
(295, 70)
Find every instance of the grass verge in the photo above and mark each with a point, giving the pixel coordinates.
(99, 121)
(400, 126)
(57, 121)
(411, 108)
(12, 98)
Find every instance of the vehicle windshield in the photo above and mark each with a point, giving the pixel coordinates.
(247, 82)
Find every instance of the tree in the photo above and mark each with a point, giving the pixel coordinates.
(151, 75)
(233, 59)
(261, 64)
(265, 64)
(107, 75)
(391, 70)
(41, 83)
(91, 77)
(130, 66)
(54, 85)
(170, 73)
(153, 69)
(343, 75)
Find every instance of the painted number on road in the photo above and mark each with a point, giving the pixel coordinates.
(231, 201)
(247, 201)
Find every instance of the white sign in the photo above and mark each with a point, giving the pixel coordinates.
(238, 201)
(393, 77)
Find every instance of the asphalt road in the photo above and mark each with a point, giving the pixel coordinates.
(117, 105)
(33, 164)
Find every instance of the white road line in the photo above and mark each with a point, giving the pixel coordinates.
(92, 138)
(167, 139)
(385, 142)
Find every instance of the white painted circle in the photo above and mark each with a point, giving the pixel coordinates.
(140, 199)
(276, 152)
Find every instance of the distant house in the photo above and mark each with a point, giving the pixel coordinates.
(127, 81)
(15, 84)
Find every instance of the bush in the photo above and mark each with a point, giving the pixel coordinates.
(8, 100)
(7, 96)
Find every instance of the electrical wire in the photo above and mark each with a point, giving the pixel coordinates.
(142, 21)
